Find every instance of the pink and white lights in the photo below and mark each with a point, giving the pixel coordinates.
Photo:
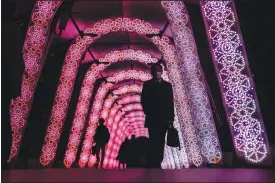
(193, 79)
(228, 51)
(236, 83)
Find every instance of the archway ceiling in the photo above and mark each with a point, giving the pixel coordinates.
(86, 13)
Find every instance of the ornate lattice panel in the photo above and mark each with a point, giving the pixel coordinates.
(193, 79)
(236, 83)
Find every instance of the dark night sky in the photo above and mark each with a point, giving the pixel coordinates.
(256, 22)
(257, 25)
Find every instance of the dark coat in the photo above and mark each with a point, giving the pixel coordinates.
(157, 103)
(102, 135)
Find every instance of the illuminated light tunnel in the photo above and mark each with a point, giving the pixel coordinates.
(194, 119)
(64, 88)
(97, 106)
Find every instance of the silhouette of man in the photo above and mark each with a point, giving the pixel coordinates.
(158, 106)
(132, 149)
(12, 71)
(101, 138)
(123, 151)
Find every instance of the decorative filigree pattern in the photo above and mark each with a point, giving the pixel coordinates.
(129, 54)
(34, 47)
(193, 80)
(235, 80)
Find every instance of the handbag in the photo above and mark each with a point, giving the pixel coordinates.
(173, 137)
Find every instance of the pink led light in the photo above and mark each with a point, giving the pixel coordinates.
(34, 47)
(118, 135)
(74, 55)
(77, 49)
(236, 82)
(130, 74)
(196, 90)
(77, 127)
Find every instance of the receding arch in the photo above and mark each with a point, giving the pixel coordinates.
(71, 64)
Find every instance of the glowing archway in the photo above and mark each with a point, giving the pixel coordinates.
(86, 93)
(84, 156)
(97, 106)
(68, 77)
(35, 45)
(115, 142)
(87, 89)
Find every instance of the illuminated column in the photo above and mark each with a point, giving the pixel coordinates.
(194, 80)
(34, 50)
(236, 84)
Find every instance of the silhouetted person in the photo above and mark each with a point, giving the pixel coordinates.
(132, 152)
(101, 138)
(123, 151)
(12, 71)
(158, 106)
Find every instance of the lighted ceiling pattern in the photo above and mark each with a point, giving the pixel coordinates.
(35, 47)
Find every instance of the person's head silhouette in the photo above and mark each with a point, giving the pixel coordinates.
(156, 71)
(101, 121)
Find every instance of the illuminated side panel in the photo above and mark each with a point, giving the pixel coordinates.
(62, 98)
(34, 55)
(236, 83)
(194, 80)
(93, 119)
